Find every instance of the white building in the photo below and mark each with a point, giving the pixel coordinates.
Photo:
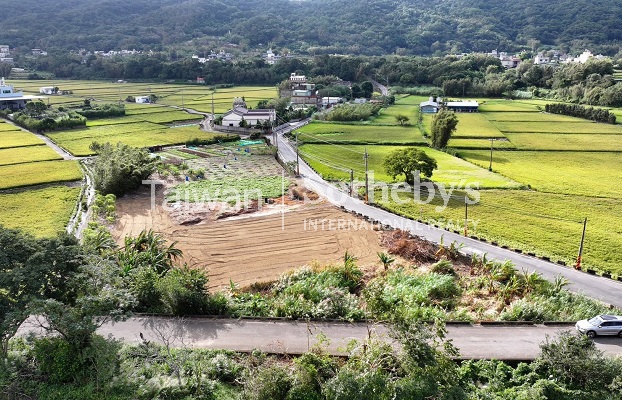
(142, 99)
(330, 101)
(237, 114)
(11, 99)
(271, 58)
(429, 107)
(46, 90)
(541, 59)
(297, 78)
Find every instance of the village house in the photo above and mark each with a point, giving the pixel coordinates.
(252, 117)
(142, 99)
(10, 99)
(300, 92)
(429, 107)
(270, 57)
(432, 106)
(47, 90)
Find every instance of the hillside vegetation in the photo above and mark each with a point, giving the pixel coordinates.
(313, 26)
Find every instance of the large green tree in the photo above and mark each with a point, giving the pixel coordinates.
(444, 125)
(408, 161)
(31, 270)
(120, 168)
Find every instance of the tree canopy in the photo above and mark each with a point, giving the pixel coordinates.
(407, 161)
(444, 125)
(405, 26)
(120, 168)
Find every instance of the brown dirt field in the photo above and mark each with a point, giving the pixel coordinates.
(254, 247)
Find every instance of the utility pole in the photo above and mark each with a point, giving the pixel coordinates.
(366, 178)
(213, 90)
(466, 216)
(578, 264)
(297, 157)
(182, 99)
(490, 166)
(351, 181)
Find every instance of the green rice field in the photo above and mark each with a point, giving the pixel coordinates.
(554, 170)
(322, 132)
(335, 162)
(18, 138)
(139, 134)
(572, 173)
(558, 127)
(548, 224)
(564, 141)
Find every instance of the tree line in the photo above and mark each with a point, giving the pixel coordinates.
(575, 110)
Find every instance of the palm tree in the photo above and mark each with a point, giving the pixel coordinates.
(385, 259)
(148, 249)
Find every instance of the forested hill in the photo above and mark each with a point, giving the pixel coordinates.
(316, 26)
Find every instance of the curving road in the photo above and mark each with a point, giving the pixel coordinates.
(604, 289)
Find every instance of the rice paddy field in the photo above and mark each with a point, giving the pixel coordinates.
(553, 170)
(195, 96)
(26, 163)
(23, 210)
(322, 132)
(144, 125)
(335, 162)
(137, 134)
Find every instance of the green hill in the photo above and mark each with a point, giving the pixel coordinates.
(316, 26)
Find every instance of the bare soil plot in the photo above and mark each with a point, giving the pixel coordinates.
(255, 247)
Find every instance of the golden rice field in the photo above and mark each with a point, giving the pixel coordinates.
(34, 173)
(23, 210)
(18, 138)
(20, 155)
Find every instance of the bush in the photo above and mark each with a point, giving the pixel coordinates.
(350, 112)
(213, 140)
(272, 382)
(401, 294)
(103, 111)
(183, 292)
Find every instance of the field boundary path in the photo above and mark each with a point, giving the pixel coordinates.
(603, 289)
(502, 342)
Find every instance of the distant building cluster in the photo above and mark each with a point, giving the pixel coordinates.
(5, 54)
(113, 53)
(221, 55)
(555, 57)
(542, 58)
(508, 61)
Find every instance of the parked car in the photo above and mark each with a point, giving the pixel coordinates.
(601, 325)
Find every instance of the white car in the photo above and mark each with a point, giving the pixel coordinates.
(601, 325)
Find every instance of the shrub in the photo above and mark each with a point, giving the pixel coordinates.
(444, 267)
(183, 291)
(272, 382)
(401, 294)
(103, 111)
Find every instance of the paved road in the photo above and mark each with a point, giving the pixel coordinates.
(604, 289)
(293, 337)
(381, 88)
